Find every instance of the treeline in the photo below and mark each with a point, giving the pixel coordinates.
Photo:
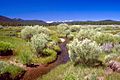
(105, 22)
(5, 21)
(20, 24)
(56, 23)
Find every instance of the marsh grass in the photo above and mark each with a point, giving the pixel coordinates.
(69, 72)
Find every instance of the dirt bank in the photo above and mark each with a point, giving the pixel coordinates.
(34, 73)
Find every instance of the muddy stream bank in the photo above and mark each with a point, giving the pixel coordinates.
(34, 73)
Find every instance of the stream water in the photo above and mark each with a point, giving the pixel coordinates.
(34, 73)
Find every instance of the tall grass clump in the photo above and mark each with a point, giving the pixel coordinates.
(5, 46)
(25, 54)
(9, 68)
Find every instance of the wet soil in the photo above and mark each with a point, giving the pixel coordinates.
(5, 57)
(8, 76)
(6, 53)
(34, 72)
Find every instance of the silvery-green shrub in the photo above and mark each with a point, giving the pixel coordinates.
(85, 50)
(63, 25)
(72, 50)
(39, 41)
(63, 29)
(118, 33)
(41, 29)
(116, 49)
(29, 31)
(82, 34)
(102, 38)
(117, 38)
(74, 28)
(70, 36)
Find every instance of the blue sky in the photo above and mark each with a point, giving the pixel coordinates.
(58, 10)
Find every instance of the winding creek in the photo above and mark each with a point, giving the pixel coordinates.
(34, 73)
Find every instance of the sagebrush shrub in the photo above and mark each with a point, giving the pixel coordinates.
(82, 34)
(74, 28)
(116, 49)
(70, 36)
(63, 29)
(102, 38)
(118, 33)
(29, 31)
(117, 38)
(40, 29)
(86, 51)
(62, 26)
(39, 41)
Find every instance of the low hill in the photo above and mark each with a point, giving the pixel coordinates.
(5, 21)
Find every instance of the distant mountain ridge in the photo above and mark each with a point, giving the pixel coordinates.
(5, 21)
(17, 21)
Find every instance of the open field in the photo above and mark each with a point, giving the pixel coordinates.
(62, 52)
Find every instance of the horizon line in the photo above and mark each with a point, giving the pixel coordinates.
(65, 20)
